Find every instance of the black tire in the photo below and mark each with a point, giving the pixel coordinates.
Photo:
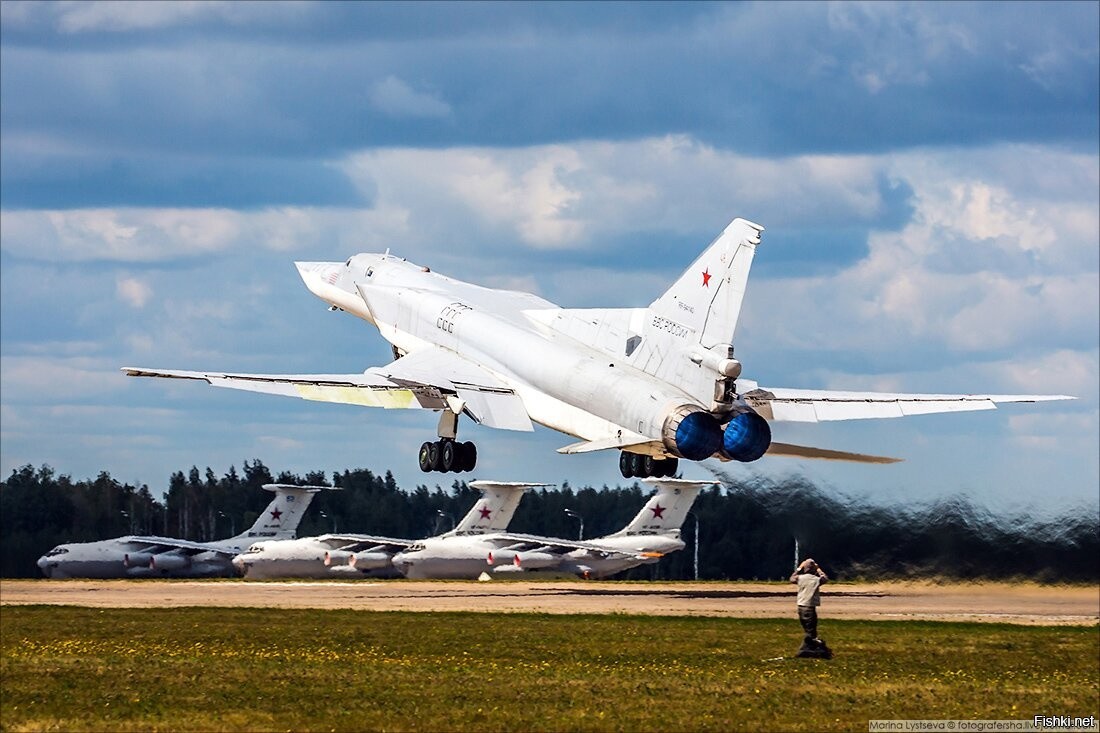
(651, 466)
(448, 457)
(669, 466)
(469, 456)
(433, 456)
(425, 457)
(626, 464)
(638, 464)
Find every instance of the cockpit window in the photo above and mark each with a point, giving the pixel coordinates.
(57, 551)
(348, 263)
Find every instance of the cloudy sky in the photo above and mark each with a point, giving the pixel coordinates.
(927, 175)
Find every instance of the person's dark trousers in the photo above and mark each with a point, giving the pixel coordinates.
(807, 616)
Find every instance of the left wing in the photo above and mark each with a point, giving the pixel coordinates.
(433, 379)
(158, 545)
(808, 405)
(513, 542)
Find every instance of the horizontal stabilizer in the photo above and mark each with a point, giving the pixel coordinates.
(802, 451)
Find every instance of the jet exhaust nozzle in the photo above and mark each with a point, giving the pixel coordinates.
(692, 433)
(746, 438)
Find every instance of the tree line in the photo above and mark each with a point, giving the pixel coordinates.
(747, 529)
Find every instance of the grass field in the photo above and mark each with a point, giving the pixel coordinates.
(72, 668)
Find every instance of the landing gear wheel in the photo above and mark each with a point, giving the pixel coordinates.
(626, 464)
(433, 456)
(637, 463)
(669, 466)
(425, 457)
(651, 466)
(468, 452)
(448, 457)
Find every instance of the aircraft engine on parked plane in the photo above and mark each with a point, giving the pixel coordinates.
(746, 438)
(528, 560)
(336, 558)
(369, 560)
(136, 559)
(167, 561)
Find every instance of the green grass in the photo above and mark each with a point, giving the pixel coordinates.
(72, 668)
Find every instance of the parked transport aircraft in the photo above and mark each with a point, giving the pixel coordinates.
(140, 557)
(658, 383)
(651, 535)
(355, 555)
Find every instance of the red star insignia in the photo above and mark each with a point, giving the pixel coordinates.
(275, 514)
(485, 513)
(706, 277)
(658, 511)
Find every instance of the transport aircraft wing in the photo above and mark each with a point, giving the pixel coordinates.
(432, 378)
(519, 543)
(157, 545)
(808, 405)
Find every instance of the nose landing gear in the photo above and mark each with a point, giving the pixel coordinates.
(634, 465)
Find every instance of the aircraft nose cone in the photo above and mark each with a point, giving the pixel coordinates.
(44, 565)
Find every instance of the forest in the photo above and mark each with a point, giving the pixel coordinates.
(746, 530)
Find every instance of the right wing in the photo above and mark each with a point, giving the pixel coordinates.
(808, 405)
(432, 379)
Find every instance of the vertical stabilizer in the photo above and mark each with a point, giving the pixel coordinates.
(667, 508)
(685, 337)
(494, 510)
(702, 306)
(280, 520)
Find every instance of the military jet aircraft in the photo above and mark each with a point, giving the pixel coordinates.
(652, 534)
(658, 383)
(354, 555)
(156, 557)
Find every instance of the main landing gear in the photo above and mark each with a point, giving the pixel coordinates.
(447, 454)
(634, 465)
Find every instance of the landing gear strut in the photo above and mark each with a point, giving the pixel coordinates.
(447, 454)
(634, 465)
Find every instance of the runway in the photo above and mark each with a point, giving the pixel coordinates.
(1017, 603)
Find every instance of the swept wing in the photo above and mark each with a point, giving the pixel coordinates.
(807, 405)
(433, 379)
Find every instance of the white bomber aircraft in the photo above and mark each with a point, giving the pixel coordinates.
(652, 534)
(158, 557)
(657, 383)
(354, 555)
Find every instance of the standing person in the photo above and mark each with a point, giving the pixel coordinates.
(809, 576)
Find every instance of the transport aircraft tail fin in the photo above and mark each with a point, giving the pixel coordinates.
(280, 520)
(667, 508)
(494, 510)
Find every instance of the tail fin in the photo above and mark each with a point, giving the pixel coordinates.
(667, 508)
(706, 300)
(494, 510)
(283, 515)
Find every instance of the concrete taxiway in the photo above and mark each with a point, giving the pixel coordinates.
(1024, 603)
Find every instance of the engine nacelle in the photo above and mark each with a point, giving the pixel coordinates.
(747, 437)
(525, 560)
(136, 559)
(692, 433)
(169, 561)
(336, 558)
(369, 560)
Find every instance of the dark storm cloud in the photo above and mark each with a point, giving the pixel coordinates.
(317, 81)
